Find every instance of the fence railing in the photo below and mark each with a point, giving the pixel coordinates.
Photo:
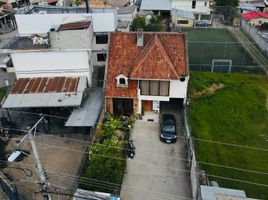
(255, 34)
(193, 168)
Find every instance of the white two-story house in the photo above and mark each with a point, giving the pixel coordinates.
(200, 8)
(145, 69)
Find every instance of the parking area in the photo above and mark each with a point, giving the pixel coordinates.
(158, 170)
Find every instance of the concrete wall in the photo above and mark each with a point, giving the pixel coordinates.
(42, 23)
(256, 37)
(71, 39)
(176, 18)
(187, 5)
(178, 89)
(51, 64)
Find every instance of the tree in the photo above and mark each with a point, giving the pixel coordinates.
(155, 24)
(231, 3)
(138, 22)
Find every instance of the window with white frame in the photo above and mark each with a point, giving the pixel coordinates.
(121, 81)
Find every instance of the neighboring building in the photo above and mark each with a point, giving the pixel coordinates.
(152, 5)
(109, 3)
(125, 17)
(182, 18)
(145, 69)
(216, 193)
(255, 18)
(200, 8)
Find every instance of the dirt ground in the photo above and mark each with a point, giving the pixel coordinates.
(61, 158)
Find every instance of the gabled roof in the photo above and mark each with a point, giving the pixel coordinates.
(254, 15)
(162, 57)
(147, 67)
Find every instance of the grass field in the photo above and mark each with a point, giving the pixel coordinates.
(203, 49)
(238, 114)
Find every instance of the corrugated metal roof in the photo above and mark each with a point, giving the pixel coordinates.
(46, 92)
(88, 114)
(156, 5)
(74, 26)
(182, 13)
(45, 85)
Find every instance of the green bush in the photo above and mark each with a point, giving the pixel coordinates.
(106, 161)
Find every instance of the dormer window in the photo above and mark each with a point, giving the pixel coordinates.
(122, 81)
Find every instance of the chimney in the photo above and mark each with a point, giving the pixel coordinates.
(139, 37)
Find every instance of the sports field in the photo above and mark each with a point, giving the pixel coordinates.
(204, 45)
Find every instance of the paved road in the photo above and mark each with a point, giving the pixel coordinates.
(155, 172)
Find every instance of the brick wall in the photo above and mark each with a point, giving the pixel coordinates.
(109, 105)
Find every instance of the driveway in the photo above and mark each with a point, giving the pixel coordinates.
(156, 172)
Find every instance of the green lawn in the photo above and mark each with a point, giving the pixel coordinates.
(233, 51)
(237, 114)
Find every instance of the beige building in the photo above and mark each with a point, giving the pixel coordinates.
(182, 18)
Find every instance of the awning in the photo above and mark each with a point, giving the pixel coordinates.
(152, 5)
(46, 92)
(88, 114)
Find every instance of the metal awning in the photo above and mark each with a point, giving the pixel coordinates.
(36, 93)
(88, 114)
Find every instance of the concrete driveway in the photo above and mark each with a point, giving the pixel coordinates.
(156, 170)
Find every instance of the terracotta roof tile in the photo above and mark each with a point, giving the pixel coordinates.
(163, 56)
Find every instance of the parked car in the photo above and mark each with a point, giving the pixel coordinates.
(168, 131)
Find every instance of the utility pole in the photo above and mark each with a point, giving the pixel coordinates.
(43, 181)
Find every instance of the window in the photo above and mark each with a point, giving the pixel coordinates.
(122, 81)
(145, 87)
(154, 88)
(164, 88)
(102, 39)
(193, 4)
(182, 22)
(206, 3)
(101, 57)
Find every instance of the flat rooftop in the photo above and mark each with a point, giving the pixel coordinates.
(39, 9)
(29, 43)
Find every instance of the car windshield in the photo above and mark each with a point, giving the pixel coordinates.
(169, 129)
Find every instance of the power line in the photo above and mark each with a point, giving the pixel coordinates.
(184, 137)
(202, 162)
(175, 169)
(100, 184)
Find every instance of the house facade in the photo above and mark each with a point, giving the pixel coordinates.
(145, 69)
(200, 8)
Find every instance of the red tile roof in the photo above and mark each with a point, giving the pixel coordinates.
(163, 56)
(45, 85)
(254, 15)
(74, 26)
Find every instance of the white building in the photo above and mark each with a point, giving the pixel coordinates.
(200, 8)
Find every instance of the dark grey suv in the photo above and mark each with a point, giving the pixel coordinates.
(168, 131)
